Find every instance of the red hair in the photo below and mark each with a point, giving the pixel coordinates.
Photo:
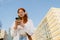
(25, 18)
(21, 9)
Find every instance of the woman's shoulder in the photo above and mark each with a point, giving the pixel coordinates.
(30, 20)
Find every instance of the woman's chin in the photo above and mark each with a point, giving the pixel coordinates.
(21, 16)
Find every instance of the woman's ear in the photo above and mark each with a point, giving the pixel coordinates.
(25, 12)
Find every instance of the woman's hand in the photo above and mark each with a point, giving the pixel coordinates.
(17, 22)
(29, 36)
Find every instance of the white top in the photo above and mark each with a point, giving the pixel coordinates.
(28, 28)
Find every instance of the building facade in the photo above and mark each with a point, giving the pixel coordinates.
(49, 27)
(3, 35)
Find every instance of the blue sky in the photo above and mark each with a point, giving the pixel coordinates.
(36, 10)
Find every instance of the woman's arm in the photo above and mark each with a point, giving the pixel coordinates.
(13, 31)
(29, 29)
(32, 28)
(29, 36)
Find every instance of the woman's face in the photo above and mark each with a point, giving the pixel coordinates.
(21, 13)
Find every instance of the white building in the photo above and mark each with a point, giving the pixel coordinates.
(3, 34)
(49, 28)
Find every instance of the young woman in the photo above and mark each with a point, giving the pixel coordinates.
(23, 27)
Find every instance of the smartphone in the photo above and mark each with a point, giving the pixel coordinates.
(18, 18)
